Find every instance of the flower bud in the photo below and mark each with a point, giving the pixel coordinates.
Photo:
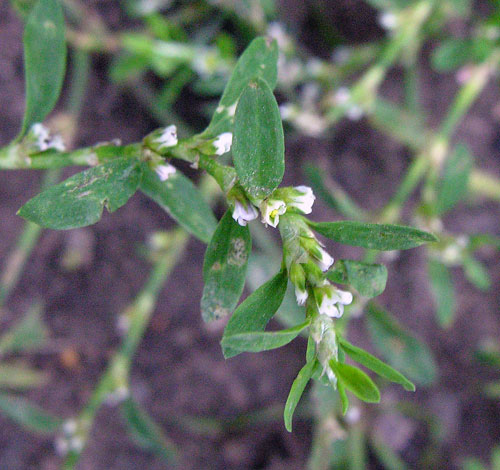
(298, 278)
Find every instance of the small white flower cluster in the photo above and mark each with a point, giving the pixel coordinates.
(168, 137)
(70, 440)
(343, 98)
(44, 141)
(223, 143)
(299, 197)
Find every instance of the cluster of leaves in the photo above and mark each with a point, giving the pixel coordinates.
(258, 157)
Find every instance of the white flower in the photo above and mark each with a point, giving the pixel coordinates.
(168, 137)
(331, 300)
(223, 143)
(117, 396)
(354, 112)
(276, 31)
(300, 295)
(342, 95)
(287, 111)
(57, 143)
(244, 214)
(388, 20)
(164, 171)
(304, 200)
(44, 141)
(323, 259)
(271, 209)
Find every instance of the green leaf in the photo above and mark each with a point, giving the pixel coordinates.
(344, 399)
(183, 202)
(406, 127)
(257, 309)
(29, 415)
(44, 60)
(224, 268)
(79, 200)
(356, 381)
(376, 365)
(368, 279)
(262, 341)
(298, 387)
(442, 292)
(258, 143)
(373, 236)
(146, 433)
(453, 185)
(473, 464)
(259, 59)
(333, 195)
(402, 351)
(478, 240)
(28, 334)
(19, 376)
(451, 54)
(476, 273)
(495, 458)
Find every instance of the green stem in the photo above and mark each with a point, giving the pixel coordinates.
(25, 245)
(137, 315)
(412, 178)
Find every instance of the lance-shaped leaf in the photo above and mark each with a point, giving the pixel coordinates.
(402, 351)
(183, 202)
(344, 399)
(442, 291)
(259, 59)
(376, 365)
(476, 273)
(224, 268)
(256, 310)
(146, 432)
(368, 279)
(27, 335)
(79, 200)
(258, 144)
(19, 376)
(44, 60)
(262, 341)
(29, 415)
(356, 381)
(298, 387)
(453, 185)
(373, 236)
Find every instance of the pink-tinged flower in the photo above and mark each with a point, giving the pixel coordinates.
(244, 213)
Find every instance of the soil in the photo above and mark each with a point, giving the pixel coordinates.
(179, 369)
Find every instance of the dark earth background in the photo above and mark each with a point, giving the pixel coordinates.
(179, 368)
